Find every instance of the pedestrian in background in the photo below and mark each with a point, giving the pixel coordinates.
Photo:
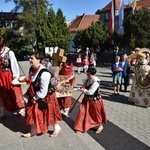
(92, 59)
(125, 72)
(85, 63)
(117, 69)
(79, 63)
(87, 52)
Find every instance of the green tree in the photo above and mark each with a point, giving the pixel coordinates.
(137, 28)
(118, 40)
(94, 37)
(52, 26)
(5, 34)
(42, 30)
(63, 33)
(41, 25)
(29, 17)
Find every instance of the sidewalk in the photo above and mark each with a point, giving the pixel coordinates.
(128, 126)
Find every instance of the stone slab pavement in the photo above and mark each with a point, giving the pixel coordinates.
(128, 126)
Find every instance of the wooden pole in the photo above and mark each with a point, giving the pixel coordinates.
(75, 103)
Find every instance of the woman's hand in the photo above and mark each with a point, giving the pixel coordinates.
(80, 89)
(33, 101)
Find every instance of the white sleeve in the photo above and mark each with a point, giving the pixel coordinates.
(44, 82)
(92, 89)
(14, 65)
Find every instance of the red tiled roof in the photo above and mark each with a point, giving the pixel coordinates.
(140, 4)
(143, 3)
(83, 22)
(108, 6)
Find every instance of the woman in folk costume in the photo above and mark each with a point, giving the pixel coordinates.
(79, 63)
(92, 60)
(140, 89)
(42, 108)
(92, 112)
(85, 64)
(10, 88)
(65, 102)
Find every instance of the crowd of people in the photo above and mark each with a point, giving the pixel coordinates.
(89, 60)
(43, 108)
(120, 72)
(39, 104)
(136, 67)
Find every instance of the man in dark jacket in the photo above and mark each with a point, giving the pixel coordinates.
(87, 52)
(125, 72)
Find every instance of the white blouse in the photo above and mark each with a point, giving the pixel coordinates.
(44, 82)
(93, 87)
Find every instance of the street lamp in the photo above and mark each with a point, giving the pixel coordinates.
(116, 49)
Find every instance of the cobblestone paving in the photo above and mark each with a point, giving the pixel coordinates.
(133, 119)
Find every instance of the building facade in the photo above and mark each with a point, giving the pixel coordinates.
(9, 19)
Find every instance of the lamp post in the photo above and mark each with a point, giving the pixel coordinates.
(116, 49)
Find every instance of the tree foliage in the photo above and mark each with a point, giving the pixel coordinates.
(63, 33)
(5, 34)
(52, 26)
(137, 28)
(42, 30)
(41, 25)
(94, 37)
(118, 40)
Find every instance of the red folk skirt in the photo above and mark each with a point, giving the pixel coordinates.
(12, 95)
(65, 102)
(91, 114)
(43, 119)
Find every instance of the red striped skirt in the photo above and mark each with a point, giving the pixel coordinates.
(91, 114)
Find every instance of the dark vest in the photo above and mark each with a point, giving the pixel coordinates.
(5, 64)
(96, 95)
(36, 83)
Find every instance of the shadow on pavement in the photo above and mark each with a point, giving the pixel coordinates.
(112, 137)
(15, 123)
(115, 98)
(106, 85)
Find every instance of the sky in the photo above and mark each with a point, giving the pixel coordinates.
(70, 8)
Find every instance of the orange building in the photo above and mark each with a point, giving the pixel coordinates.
(84, 21)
